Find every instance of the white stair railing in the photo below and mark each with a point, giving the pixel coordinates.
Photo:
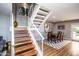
(29, 28)
(34, 14)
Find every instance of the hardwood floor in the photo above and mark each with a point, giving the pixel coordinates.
(71, 49)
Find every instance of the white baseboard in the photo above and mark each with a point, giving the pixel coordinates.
(67, 38)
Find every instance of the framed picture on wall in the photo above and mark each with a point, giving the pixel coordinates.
(61, 27)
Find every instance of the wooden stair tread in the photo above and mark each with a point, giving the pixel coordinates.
(21, 35)
(22, 38)
(37, 21)
(24, 48)
(41, 14)
(44, 10)
(29, 53)
(20, 31)
(22, 43)
(39, 18)
(20, 28)
(37, 24)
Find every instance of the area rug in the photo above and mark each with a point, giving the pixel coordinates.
(57, 45)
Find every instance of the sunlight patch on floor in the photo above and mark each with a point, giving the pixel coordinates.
(75, 48)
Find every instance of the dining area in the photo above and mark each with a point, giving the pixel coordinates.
(55, 37)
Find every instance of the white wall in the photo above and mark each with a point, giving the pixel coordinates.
(67, 31)
(22, 20)
(5, 27)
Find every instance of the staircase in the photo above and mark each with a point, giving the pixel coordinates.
(41, 16)
(23, 43)
(38, 17)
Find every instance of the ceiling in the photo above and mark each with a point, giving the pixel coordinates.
(62, 11)
(5, 8)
